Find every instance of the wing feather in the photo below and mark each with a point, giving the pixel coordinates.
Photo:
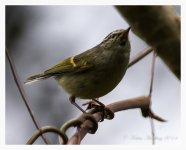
(69, 65)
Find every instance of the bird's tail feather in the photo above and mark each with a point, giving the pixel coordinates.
(36, 78)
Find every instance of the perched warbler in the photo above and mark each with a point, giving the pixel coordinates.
(95, 72)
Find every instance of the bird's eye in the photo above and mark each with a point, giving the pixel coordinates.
(123, 42)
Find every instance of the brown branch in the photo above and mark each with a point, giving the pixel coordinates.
(139, 56)
(22, 92)
(159, 26)
(138, 102)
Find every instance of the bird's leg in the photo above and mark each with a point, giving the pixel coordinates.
(72, 100)
(86, 116)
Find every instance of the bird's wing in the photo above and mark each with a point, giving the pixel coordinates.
(70, 65)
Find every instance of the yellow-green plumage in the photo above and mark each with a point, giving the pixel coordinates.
(95, 72)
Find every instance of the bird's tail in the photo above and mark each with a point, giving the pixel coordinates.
(37, 78)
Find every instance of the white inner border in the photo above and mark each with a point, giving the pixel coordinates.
(3, 3)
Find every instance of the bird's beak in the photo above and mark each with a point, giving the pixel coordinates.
(127, 31)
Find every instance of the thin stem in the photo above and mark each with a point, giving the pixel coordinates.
(150, 94)
(22, 92)
(152, 73)
(139, 56)
(152, 131)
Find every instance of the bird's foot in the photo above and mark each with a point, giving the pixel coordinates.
(100, 107)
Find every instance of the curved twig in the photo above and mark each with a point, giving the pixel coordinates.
(46, 129)
(67, 125)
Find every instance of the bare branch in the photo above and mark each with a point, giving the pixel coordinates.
(139, 56)
(138, 102)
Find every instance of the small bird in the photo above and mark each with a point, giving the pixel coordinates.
(95, 72)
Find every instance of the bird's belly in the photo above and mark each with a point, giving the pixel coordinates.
(92, 84)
